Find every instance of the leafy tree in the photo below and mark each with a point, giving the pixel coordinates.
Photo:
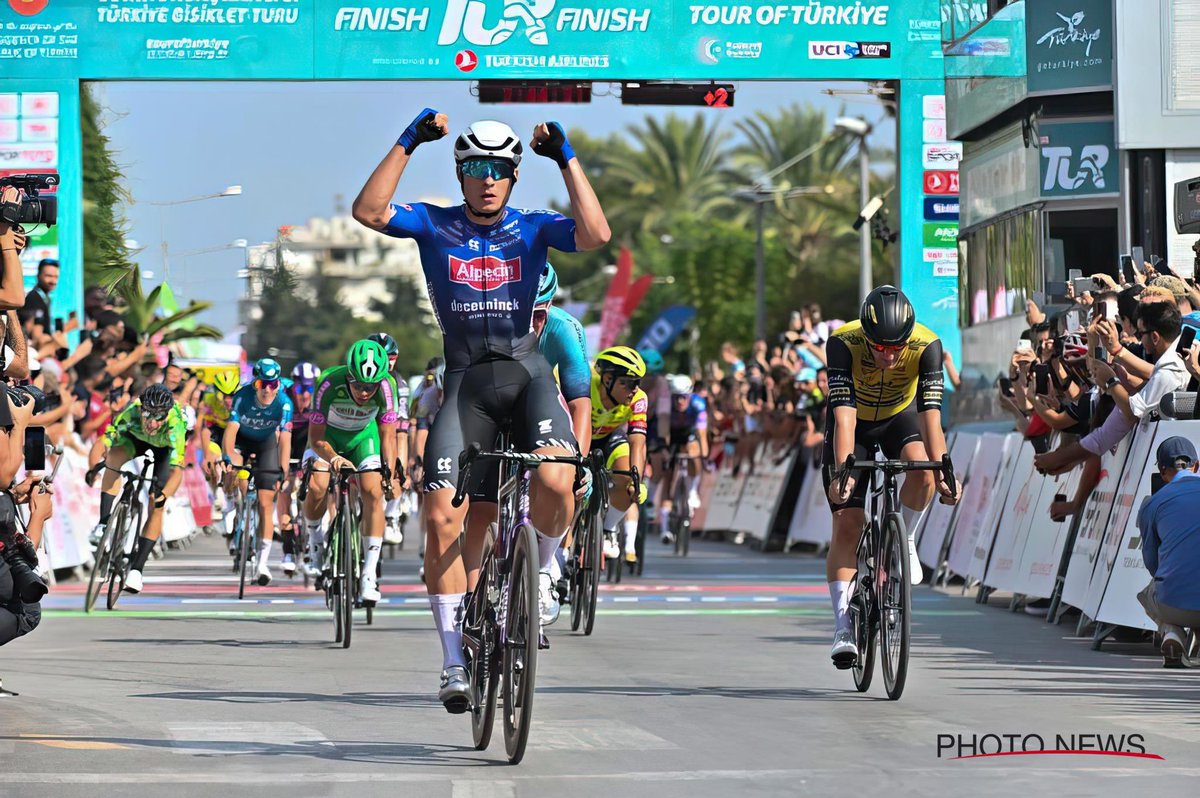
(104, 225)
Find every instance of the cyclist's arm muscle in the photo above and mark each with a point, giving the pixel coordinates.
(637, 452)
(591, 226)
(581, 421)
(372, 207)
(229, 439)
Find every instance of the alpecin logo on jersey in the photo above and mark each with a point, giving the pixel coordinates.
(486, 273)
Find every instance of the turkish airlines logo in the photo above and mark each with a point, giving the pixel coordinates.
(941, 182)
(466, 60)
(27, 8)
(485, 274)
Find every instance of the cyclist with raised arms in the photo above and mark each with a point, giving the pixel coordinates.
(885, 390)
(260, 425)
(154, 422)
(619, 408)
(355, 405)
(483, 261)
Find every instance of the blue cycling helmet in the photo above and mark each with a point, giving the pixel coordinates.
(305, 374)
(654, 361)
(548, 286)
(267, 369)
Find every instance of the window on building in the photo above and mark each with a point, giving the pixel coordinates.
(998, 267)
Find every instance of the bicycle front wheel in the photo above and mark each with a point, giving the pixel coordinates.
(681, 514)
(104, 556)
(520, 642)
(348, 568)
(592, 556)
(244, 533)
(579, 552)
(483, 664)
(895, 605)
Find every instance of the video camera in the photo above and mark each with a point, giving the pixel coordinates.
(30, 207)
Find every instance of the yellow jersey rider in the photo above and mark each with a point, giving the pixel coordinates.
(619, 407)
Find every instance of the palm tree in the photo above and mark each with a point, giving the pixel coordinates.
(156, 314)
(677, 170)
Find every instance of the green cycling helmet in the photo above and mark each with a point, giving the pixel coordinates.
(367, 362)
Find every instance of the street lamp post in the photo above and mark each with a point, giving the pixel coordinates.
(860, 129)
(228, 191)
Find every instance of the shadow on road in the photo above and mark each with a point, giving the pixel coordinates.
(761, 693)
(406, 700)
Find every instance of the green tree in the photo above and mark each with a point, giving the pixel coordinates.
(155, 313)
(104, 223)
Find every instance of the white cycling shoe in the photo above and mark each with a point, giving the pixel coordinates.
(611, 549)
(694, 500)
(845, 651)
(133, 582)
(548, 605)
(370, 590)
(915, 574)
(264, 575)
(289, 565)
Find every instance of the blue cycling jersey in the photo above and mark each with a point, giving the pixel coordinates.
(482, 279)
(563, 344)
(259, 422)
(693, 417)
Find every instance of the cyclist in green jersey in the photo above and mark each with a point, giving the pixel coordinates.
(352, 403)
(156, 423)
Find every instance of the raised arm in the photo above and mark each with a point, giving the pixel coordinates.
(591, 226)
(372, 206)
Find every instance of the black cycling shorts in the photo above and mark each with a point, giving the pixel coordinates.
(266, 463)
(891, 435)
(681, 437)
(162, 461)
(477, 402)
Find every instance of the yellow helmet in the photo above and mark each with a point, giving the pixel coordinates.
(226, 382)
(623, 360)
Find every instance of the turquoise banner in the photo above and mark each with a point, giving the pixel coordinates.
(427, 39)
(1078, 159)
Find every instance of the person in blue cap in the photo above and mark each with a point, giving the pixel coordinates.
(1171, 547)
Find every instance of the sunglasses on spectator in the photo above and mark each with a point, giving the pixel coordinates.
(482, 169)
(266, 385)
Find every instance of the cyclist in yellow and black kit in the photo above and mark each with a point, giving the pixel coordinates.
(885, 391)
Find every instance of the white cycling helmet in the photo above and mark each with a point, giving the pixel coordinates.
(679, 384)
(488, 139)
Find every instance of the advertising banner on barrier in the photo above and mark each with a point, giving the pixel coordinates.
(1134, 480)
(977, 498)
(761, 493)
(1095, 520)
(1023, 493)
(1039, 553)
(725, 494)
(936, 523)
(982, 550)
(812, 522)
(1128, 574)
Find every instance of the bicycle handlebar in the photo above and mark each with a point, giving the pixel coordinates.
(475, 452)
(944, 466)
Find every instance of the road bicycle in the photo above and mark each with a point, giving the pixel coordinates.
(681, 509)
(882, 599)
(500, 629)
(587, 546)
(245, 521)
(111, 558)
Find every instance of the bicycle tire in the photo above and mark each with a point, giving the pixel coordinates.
(484, 669)
(680, 508)
(593, 554)
(102, 560)
(116, 573)
(346, 583)
(895, 605)
(863, 669)
(244, 534)
(332, 582)
(521, 646)
(579, 539)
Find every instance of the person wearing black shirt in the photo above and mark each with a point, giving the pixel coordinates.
(38, 300)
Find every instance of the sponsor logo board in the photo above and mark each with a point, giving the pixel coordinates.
(485, 273)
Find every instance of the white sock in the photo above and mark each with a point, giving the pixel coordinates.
(839, 593)
(694, 484)
(556, 565)
(392, 508)
(371, 561)
(631, 526)
(264, 552)
(613, 517)
(911, 517)
(547, 546)
(664, 518)
(316, 533)
(445, 618)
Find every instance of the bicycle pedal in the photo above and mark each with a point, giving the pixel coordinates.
(844, 665)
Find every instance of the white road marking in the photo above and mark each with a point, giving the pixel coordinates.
(477, 788)
(593, 735)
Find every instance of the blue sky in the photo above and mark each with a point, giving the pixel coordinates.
(294, 146)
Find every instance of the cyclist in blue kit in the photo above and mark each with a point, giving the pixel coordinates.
(482, 262)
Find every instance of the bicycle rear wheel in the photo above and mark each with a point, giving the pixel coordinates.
(681, 513)
(243, 531)
(483, 665)
(521, 642)
(862, 623)
(579, 551)
(593, 554)
(103, 559)
(895, 603)
(119, 568)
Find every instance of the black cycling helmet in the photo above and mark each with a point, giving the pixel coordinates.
(157, 397)
(887, 316)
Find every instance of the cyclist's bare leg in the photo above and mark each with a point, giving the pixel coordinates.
(918, 488)
(370, 487)
(841, 561)
(152, 529)
(315, 505)
(110, 482)
(479, 518)
(551, 502)
(444, 571)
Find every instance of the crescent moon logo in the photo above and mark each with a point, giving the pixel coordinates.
(710, 51)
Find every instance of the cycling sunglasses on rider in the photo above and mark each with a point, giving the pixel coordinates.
(629, 383)
(155, 414)
(364, 387)
(483, 168)
(266, 385)
(882, 348)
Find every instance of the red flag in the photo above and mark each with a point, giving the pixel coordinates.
(612, 317)
(637, 292)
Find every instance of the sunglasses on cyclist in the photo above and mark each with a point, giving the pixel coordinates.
(266, 385)
(364, 387)
(887, 347)
(302, 388)
(483, 168)
(632, 383)
(155, 415)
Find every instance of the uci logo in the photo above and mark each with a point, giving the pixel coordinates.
(469, 19)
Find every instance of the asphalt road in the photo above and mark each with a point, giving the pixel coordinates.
(707, 677)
